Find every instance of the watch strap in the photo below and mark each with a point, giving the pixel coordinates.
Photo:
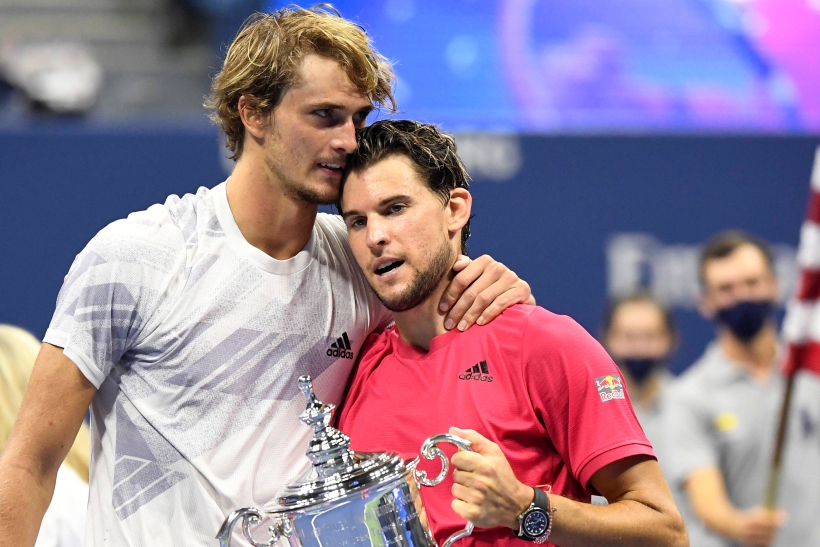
(541, 501)
(545, 499)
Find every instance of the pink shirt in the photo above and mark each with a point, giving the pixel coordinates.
(535, 383)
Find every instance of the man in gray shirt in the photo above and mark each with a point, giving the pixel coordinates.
(721, 416)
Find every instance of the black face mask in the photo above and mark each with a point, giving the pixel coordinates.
(639, 368)
(745, 319)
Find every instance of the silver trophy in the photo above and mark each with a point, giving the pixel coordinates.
(349, 498)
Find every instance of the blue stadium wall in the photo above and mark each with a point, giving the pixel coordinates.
(550, 221)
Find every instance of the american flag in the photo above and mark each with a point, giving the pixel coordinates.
(801, 327)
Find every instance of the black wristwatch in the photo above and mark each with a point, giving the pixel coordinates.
(535, 524)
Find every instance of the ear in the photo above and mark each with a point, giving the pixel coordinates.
(459, 208)
(253, 120)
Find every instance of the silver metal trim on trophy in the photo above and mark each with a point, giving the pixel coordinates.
(349, 498)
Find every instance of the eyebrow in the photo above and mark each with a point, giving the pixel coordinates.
(382, 203)
(333, 106)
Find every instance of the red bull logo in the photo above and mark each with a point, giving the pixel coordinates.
(610, 387)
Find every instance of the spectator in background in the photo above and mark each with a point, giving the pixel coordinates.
(640, 334)
(64, 522)
(720, 419)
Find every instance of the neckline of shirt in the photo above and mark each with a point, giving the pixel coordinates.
(728, 370)
(261, 259)
(406, 351)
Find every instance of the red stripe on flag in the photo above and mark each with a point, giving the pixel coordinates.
(813, 212)
(803, 357)
(809, 285)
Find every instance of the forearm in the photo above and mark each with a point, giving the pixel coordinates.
(719, 516)
(53, 408)
(24, 498)
(624, 522)
(641, 510)
(710, 502)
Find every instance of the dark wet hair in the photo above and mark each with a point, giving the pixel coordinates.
(432, 152)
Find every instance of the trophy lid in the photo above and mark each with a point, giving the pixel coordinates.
(337, 470)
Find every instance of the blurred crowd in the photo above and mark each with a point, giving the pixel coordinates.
(65, 75)
(714, 427)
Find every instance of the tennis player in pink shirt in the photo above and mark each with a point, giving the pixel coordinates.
(544, 406)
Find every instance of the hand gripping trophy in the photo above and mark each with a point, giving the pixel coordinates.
(349, 498)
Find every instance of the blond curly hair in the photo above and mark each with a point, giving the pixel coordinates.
(265, 57)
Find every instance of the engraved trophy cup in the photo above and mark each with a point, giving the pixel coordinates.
(349, 498)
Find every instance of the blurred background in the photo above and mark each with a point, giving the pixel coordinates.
(607, 139)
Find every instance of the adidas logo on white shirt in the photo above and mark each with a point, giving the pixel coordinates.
(341, 348)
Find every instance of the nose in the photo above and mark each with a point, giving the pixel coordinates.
(743, 292)
(377, 235)
(344, 141)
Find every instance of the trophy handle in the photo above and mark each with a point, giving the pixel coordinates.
(251, 516)
(430, 451)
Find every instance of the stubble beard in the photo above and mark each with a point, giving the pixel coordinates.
(310, 195)
(299, 190)
(424, 282)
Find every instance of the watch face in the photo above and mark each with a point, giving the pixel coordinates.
(535, 523)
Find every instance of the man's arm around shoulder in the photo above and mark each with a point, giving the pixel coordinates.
(55, 403)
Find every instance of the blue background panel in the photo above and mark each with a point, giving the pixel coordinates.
(550, 222)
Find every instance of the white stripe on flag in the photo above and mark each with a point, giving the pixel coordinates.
(814, 327)
(808, 253)
(815, 173)
(798, 320)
